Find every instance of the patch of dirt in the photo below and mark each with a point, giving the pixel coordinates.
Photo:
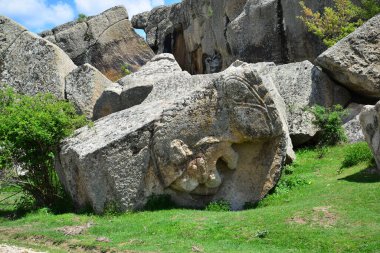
(13, 249)
(103, 239)
(297, 220)
(323, 216)
(75, 230)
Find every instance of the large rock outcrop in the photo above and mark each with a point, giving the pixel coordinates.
(208, 36)
(31, 65)
(197, 138)
(369, 120)
(355, 60)
(106, 41)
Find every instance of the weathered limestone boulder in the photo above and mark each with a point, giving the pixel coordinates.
(84, 86)
(134, 89)
(303, 85)
(352, 125)
(208, 36)
(31, 64)
(197, 138)
(369, 120)
(355, 60)
(106, 41)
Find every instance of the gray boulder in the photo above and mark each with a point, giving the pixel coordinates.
(352, 125)
(31, 64)
(303, 85)
(197, 138)
(135, 88)
(106, 41)
(369, 120)
(355, 60)
(84, 86)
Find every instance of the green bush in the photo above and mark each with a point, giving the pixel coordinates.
(329, 121)
(31, 128)
(357, 153)
(81, 17)
(159, 202)
(336, 23)
(126, 69)
(219, 206)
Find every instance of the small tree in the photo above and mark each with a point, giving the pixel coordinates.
(329, 121)
(336, 23)
(31, 128)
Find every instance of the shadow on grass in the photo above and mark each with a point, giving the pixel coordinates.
(12, 214)
(365, 176)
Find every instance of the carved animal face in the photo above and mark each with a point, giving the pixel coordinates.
(245, 113)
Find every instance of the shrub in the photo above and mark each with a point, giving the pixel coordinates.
(126, 70)
(31, 128)
(159, 202)
(336, 23)
(329, 121)
(219, 206)
(81, 17)
(357, 153)
(288, 183)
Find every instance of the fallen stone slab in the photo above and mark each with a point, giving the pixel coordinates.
(355, 60)
(197, 138)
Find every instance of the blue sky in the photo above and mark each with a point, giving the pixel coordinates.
(39, 15)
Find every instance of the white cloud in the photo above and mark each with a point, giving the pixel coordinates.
(92, 7)
(37, 15)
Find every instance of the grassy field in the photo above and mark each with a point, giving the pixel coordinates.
(323, 212)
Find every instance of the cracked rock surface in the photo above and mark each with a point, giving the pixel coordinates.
(106, 41)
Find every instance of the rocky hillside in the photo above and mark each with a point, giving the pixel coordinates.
(225, 133)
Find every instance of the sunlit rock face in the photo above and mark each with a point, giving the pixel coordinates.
(198, 138)
(355, 60)
(107, 41)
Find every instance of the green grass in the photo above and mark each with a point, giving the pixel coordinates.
(330, 213)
